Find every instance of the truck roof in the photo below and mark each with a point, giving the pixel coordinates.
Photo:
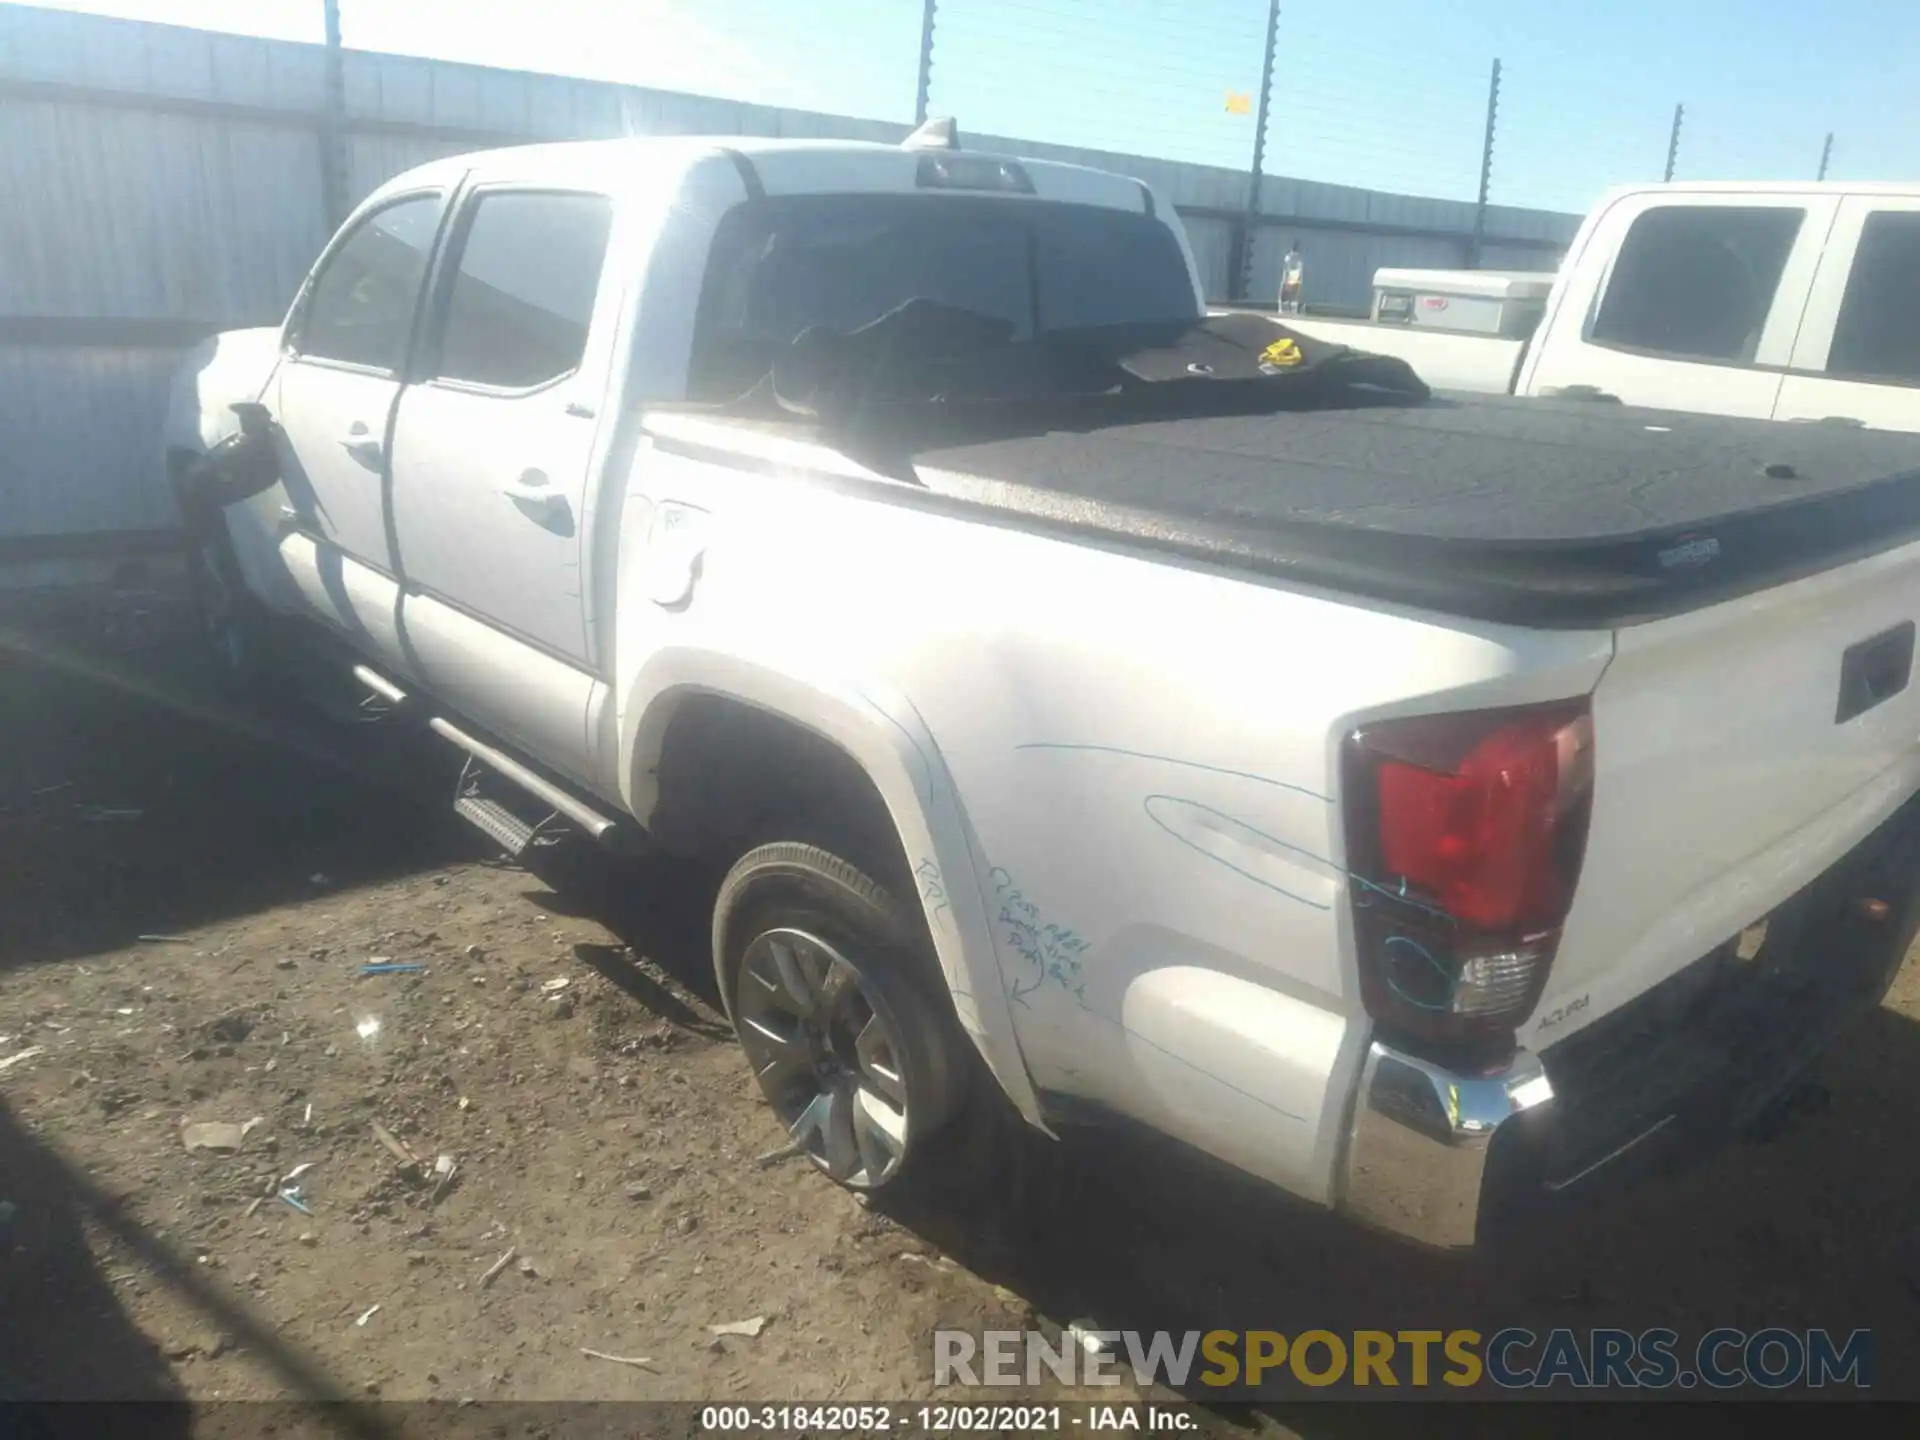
(1768, 187)
(779, 167)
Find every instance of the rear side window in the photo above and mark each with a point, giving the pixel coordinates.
(360, 308)
(1697, 282)
(1877, 333)
(782, 265)
(524, 287)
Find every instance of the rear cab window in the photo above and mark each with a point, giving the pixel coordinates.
(779, 266)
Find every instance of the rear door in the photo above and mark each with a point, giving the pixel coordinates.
(1858, 355)
(1685, 301)
(492, 450)
(334, 400)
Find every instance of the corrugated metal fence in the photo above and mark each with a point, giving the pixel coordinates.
(158, 183)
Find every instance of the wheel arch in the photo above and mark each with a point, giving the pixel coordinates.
(873, 730)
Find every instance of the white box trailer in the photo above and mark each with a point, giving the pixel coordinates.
(1506, 303)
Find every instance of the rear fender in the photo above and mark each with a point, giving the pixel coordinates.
(882, 732)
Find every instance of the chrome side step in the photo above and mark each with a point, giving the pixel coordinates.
(497, 823)
(382, 687)
(584, 816)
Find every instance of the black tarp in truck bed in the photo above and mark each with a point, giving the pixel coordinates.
(1538, 512)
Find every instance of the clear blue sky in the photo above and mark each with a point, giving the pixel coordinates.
(1389, 94)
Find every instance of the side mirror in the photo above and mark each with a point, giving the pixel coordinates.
(255, 418)
(239, 467)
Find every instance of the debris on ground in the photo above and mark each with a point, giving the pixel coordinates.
(163, 940)
(493, 1270)
(644, 1362)
(444, 1170)
(231, 1028)
(556, 985)
(749, 1328)
(392, 967)
(366, 1315)
(395, 1146)
(220, 1135)
(783, 1152)
(21, 1056)
(297, 1199)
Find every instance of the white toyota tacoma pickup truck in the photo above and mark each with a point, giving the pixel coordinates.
(1433, 808)
(1778, 302)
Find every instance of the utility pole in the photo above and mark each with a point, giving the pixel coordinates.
(927, 8)
(1826, 154)
(1240, 263)
(1486, 168)
(333, 146)
(1673, 142)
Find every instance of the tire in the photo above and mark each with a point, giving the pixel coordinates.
(840, 1005)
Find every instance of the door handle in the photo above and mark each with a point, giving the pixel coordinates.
(532, 489)
(360, 443)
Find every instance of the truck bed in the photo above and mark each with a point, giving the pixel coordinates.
(1540, 512)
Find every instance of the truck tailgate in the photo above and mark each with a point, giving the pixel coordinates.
(1740, 750)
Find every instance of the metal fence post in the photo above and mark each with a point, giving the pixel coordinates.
(1673, 143)
(1826, 154)
(1240, 260)
(1486, 170)
(926, 61)
(333, 145)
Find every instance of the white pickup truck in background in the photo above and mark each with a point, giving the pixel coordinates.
(1431, 808)
(1776, 302)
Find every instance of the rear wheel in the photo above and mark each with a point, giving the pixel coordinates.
(840, 1007)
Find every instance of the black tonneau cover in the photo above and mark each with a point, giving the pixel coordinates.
(1232, 440)
(1541, 512)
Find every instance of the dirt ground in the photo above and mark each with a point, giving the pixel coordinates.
(185, 911)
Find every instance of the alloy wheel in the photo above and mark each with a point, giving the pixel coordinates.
(826, 1050)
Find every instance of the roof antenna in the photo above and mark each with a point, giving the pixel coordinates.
(937, 134)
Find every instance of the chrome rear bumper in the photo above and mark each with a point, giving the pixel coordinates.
(1417, 1153)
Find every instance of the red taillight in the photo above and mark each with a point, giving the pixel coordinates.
(1464, 834)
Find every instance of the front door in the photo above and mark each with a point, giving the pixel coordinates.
(492, 453)
(334, 401)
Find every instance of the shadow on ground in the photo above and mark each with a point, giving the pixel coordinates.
(135, 800)
(64, 1335)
